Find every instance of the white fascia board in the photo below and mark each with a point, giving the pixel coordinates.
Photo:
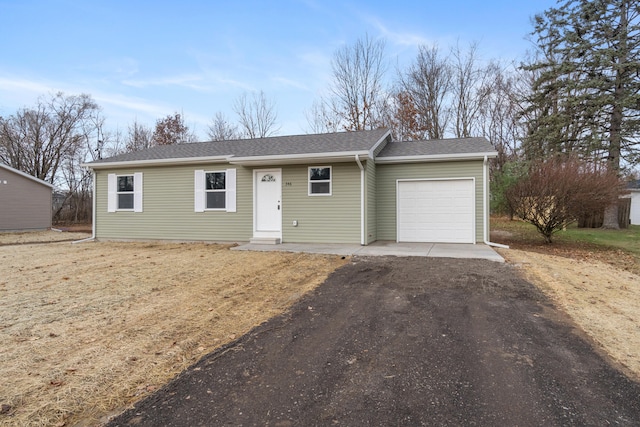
(289, 159)
(377, 144)
(26, 175)
(157, 162)
(435, 158)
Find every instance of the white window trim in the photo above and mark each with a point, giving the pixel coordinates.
(112, 192)
(200, 191)
(215, 191)
(309, 181)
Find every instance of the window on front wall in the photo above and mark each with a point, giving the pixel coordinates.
(125, 192)
(320, 181)
(215, 190)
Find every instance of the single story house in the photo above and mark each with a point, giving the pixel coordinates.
(344, 187)
(25, 201)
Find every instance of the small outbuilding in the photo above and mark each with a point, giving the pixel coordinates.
(634, 195)
(25, 201)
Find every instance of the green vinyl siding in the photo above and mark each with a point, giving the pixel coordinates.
(387, 176)
(168, 207)
(321, 219)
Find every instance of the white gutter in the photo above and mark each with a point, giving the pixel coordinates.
(435, 157)
(485, 213)
(158, 162)
(93, 213)
(362, 225)
(338, 156)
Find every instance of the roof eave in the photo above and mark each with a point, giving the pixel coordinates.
(26, 175)
(436, 157)
(377, 144)
(157, 162)
(290, 159)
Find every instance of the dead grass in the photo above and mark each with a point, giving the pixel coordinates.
(87, 329)
(600, 297)
(21, 238)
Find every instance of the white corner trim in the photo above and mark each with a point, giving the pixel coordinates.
(485, 207)
(362, 222)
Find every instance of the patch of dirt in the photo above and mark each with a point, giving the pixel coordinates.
(403, 342)
(597, 292)
(89, 328)
(21, 238)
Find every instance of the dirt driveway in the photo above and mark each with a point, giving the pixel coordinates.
(403, 341)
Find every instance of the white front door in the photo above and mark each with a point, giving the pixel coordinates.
(268, 203)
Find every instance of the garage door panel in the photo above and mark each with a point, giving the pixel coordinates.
(436, 211)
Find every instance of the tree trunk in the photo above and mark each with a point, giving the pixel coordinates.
(611, 217)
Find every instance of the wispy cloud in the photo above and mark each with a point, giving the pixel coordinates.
(197, 82)
(133, 104)
(191, 81)
(16, 84)
(398, 37)
(292, 83)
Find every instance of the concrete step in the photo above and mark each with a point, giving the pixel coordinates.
(265, 241)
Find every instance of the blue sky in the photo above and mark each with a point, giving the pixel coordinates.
(146, 59)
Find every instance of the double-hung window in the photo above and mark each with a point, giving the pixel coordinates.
(215, 190)
(124, 192)
(320, 181)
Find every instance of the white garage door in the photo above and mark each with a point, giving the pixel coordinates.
(440, 211)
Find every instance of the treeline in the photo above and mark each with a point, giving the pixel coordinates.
(575, 96)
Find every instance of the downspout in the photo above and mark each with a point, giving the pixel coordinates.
(93, 211)
(362, 227)
(485, 213)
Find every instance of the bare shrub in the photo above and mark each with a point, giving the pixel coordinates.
(557, 192)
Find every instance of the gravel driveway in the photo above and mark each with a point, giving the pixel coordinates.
(403, 341)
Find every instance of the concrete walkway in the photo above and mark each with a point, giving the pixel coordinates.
(380, 248)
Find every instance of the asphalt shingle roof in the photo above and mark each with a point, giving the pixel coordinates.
(272, 146)
(436, 147)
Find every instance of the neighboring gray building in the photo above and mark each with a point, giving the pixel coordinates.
(345, 187)
(25, 201)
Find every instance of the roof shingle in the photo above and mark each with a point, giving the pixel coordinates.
(272, 146)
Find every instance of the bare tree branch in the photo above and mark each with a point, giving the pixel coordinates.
(257, 115)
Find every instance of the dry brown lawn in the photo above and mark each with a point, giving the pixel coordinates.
(89, 328)
(600, 297)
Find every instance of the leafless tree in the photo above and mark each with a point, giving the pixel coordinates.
(172, 130)
(428, 82)
(499, 118)
(220, 129)
(38, 140)
(472, 85)
(139, 137)
(257, 115)
(357, 91)
(321, 118)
